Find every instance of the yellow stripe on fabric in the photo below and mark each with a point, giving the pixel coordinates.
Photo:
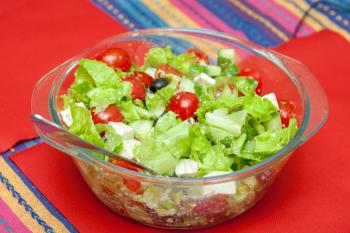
(267, 23)
(310, 21)
(291, 8)
(30, 198)
(175, 18)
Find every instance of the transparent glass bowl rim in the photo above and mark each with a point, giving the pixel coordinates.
(240, 174)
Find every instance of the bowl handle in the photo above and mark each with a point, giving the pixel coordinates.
(315, 100)
(42, 101)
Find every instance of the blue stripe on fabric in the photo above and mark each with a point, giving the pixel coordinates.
(37, 193)
(133, 11)
(295, 4)
(338, 12)
(236, 19)
(270, 19)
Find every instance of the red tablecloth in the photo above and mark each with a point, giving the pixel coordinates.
(37, 36)
(311, 195)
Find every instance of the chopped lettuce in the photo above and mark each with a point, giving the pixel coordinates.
(166, 122)
(245, 85)
(102, 74)
(153, 153)
(132, 112)
(215, 160)
(157, 103)
(200, 145)
(158, 56)
(259, 108)
(113, 141)
(83, 126)
(220, 126)
(177, 140)
(142, 128)
(271, 142)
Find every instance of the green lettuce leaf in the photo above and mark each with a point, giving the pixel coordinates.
(102, 97)
(132, 112)
(200, 145)
(220, 126)
(260, 109)
(271, 142)
(215, 160)
(82, 84)
(153, 153)
(177, 140)
(83, 126)
(158, 102)
(158, 56)
(113, 141)
(245, 85)
(102, 74)
(166, 122)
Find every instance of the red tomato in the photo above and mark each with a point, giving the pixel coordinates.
(254, 75)
(199, 55)
(167, 69)
(111, 113)
(124, 165)
(132, 185)
(143, 77)
(184, 104)
(214, 205)
(288, 111)
(116, 58)
(138, 90)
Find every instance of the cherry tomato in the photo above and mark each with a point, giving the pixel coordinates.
(131, 184)
(184, 103)
(287, 111)
(138, 90)
(111, 113)
(143, 77)
(116, 58)
(254, 75)
(124, 165)
(199, 55)
(167, 69)
(214, 205)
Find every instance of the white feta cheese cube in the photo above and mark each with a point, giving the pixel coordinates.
(203, 78)
(223, 188)
(186, 167)
(272, 98)
(67, 117)
(128, 148)
(125, 131)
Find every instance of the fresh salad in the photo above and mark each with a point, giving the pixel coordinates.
(177, 113)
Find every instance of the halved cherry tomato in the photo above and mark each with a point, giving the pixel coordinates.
(288, 111)
(254, 75)
(116, 58)
(167, 69)
(124, 165)
(184, 103)
(111, 113)
(131, 184)
(199, 55)
(138, 90)
(143, 77)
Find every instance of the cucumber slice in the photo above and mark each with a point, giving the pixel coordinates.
(226, 56)
(212, 70)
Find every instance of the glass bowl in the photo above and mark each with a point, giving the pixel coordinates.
(171, 202)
